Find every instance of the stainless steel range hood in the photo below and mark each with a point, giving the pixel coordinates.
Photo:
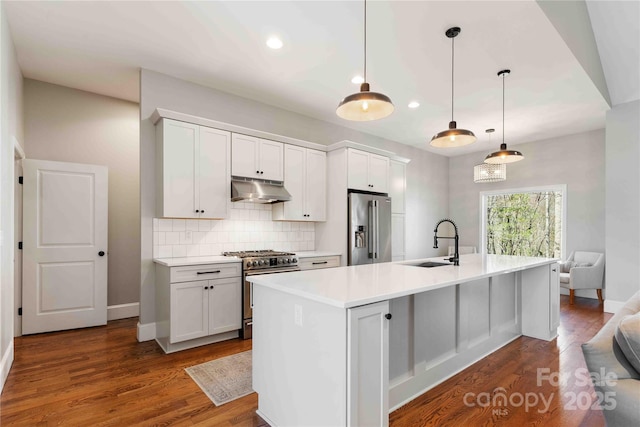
(258, 191)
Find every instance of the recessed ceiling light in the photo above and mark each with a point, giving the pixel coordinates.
(414, 104)
(274, 42)
(357, 80)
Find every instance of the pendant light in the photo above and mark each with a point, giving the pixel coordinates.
(503, 155)
(365, 105)
(453, 137)
(486, 172)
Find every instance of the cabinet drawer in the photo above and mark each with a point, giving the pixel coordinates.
(319, 262)
(205, 272)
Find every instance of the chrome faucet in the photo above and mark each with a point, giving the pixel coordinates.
(456, 256)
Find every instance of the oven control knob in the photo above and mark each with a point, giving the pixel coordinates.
(280, 261)
(261, 262)
(288, 260)
(248, 263)
(254, 263)
(293, 260)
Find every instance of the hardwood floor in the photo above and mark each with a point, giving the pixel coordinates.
(104, 377)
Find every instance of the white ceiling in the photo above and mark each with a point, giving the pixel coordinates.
(99, 47)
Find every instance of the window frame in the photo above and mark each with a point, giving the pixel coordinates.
(561, 188)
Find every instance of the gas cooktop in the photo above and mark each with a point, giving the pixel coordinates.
(255, 254)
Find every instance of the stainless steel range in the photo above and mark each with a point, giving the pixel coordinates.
(260, 262)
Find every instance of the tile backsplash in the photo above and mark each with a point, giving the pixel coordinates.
(249, 228)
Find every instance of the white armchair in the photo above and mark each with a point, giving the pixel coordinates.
(582, 270)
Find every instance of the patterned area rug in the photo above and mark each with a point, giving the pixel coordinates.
(225, 379)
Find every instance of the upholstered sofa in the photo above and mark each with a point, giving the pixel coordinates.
(613, 360)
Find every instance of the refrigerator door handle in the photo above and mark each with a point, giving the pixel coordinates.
(372, 231)
(376, 220)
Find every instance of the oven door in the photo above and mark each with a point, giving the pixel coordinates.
(247, 297)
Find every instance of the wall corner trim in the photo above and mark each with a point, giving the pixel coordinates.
(146, 332)
(123, 311)
(613, 306)
(5, 365)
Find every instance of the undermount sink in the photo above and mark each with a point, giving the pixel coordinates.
(431, 264)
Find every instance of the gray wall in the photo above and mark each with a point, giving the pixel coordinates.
(11, 127)
(575, 160)
(427, 187)
(70, 125)
(623, 201)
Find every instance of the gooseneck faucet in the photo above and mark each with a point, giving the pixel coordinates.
(456, 256)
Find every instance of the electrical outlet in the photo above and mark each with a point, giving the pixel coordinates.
(298, 314)
(187, 235)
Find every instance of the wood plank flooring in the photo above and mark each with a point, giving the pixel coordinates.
(104, 377)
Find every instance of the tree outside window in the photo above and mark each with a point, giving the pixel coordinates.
(524, 223)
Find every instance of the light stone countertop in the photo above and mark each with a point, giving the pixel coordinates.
(352, 286)
(195, 260)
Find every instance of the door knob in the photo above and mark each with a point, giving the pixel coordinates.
(101, 253)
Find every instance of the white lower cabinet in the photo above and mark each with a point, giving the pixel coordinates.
(314, 263)
(368, 365)
(197, 312)
(540, 287)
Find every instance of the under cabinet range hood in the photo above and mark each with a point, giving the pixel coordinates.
(258, 191)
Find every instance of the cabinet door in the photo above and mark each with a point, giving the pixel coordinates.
(225, 304)
(294, 179)
(368, 365)
(214, 181)
(188, 314)
(316, 186)
(179, 145)
(271, 160)
(397, 186)
(244, 156)
(379, 173)
(358, 169)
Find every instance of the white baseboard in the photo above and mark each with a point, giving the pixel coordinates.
(146, 332)
(5, 365)
(613, 306)
(123, 311)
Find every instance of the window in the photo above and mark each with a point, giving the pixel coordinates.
(524, 222)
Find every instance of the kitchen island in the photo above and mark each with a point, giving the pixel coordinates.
(344, 346)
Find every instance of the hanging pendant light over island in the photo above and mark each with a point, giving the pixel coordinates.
(503, 155)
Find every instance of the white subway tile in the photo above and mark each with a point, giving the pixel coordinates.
(211, 237)
(172, 237)
(179, 251)
(254, 215)
(204, 225)
(255, 236)
(265, 215)
(156, 251)
(308, 235)
(226, 226)
(216, 249)
(295, 226)
(154, 223)
(155, 238)
(165, 225)
(199, 237)
(286, 226)
(235, 214)
(179, 225)
(277, 226)
(251, 246)
(205, 250)
(223, 237)
(193, 250)
(228, 247)
(186, 238)
(216, 225)
(161, 238)
(249, 206)
(311, 246)
(244, 214)
(165, 251)
(192, 225)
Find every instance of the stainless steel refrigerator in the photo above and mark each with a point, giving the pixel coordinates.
(369, 229)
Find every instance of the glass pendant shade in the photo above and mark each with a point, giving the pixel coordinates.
(489, 173)
(365, 105)
(503, 156)
(453, 137)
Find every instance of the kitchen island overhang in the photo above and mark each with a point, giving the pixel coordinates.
(342, 346)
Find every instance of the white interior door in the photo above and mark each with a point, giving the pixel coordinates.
(64, 246)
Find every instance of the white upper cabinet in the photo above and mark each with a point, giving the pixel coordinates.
(305, 178)
(397, 187)
(193, 171)
(367, 171)
(257, 158)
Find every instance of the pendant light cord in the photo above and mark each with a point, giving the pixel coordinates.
(452, 55)
(503, 76)
(365, 41)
